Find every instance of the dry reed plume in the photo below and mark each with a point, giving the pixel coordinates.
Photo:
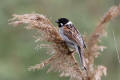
(63, 59)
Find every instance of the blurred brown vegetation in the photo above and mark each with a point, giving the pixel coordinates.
(63, 59)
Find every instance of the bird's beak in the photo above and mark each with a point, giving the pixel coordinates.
(57, 21)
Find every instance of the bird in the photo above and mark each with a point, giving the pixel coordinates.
(72, 37)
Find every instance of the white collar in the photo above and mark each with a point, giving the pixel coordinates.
(69, 23)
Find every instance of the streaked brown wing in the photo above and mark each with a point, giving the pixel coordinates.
(73, 34)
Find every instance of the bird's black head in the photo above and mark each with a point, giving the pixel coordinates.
(62, 21)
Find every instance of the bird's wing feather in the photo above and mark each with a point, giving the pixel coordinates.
(73, 34)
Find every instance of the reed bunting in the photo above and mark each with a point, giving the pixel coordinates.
(72, 37)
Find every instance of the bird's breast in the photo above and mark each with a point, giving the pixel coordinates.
(64, 37)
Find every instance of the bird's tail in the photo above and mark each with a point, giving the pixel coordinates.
(80, 51)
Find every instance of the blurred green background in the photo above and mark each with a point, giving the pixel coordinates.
(17, 47)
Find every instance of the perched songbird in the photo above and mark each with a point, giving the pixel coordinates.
(72, 37)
